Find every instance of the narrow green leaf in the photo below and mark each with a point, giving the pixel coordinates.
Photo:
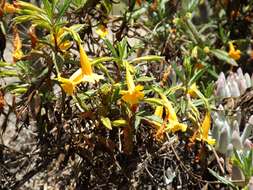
(111, 48)
(153, 101)
(101, 60)
(8, 73)
(222, 179)
(222, 55)
(119, 123)
(197, 75)
(106, 122)
(146, 58)
(62, 10)
(48, 8)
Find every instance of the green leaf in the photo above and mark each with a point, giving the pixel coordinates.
(4, 64)
(74, 34)
(108, 5)
(119, 123)
(77, 27)
(146, 58)
(62, 10)
(16, 88)
(222, 179)
(222, 55)
(136, 14)
(178, 72)
(145, 79)
(48, 8)
(106, 122)
(105, 70)
(101, 60)
(8, 73)
(30, 6)
(153, 118)
(153, 101)
(197, 75)
(137, 121)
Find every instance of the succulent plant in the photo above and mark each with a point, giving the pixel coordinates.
(234, 85)
(227, 134)
(226, 128)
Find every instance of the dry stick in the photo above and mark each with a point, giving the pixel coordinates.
(218, 160)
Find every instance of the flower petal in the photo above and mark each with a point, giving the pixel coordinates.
(176, 126)
(67, 85)
(159, 111)
(84, 61)
(206, 125)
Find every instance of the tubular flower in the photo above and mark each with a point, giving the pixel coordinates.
(160, 127)
(69, 85)
(173, 123)
(62, 44)
(204, 129)
(87, 73)
(17, 45)
(102, 31)
(235, 54)
(83, 74)
(134, 93)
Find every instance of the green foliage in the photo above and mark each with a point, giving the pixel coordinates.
(101, 78)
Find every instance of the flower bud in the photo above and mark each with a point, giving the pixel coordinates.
(216, 130)
(235, 140)
(240, 73)
(248, 80)
(234, 89)
(206, 49)
(242, 85)
(223, 143)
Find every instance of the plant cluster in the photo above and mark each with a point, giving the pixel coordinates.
(126, 101)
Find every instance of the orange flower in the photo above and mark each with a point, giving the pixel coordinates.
(234, 54)
(134, 93)
(204, 130)
(87, 72)
(83, 74)
(170, 122)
